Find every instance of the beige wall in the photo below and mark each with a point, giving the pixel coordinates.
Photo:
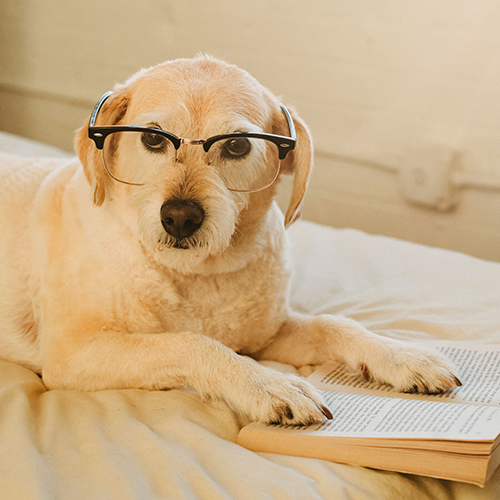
(402, 96)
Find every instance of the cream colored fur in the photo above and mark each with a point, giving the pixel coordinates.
(92, 296)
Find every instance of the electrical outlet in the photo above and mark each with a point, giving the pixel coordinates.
(425, 175)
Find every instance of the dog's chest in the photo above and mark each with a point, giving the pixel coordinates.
(242, 311)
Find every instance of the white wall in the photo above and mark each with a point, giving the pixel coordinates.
(402, 96)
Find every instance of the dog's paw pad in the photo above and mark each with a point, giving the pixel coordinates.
(284, 412)
(365, 372)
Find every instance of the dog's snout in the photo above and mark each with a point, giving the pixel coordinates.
(181, 218)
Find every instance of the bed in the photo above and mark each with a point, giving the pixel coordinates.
(134, 444)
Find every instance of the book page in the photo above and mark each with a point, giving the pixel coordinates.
(367, 416)
(478, 367)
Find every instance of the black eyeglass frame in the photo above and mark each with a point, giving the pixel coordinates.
(99, 133)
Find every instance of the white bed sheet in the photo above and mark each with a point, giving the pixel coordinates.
(135, 444)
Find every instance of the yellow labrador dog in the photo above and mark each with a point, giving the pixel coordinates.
(157, 258)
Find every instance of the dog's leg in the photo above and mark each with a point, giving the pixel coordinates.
(172, 360)
(315, 340)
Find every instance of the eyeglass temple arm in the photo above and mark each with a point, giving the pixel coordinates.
(97, 108)
(291, 125)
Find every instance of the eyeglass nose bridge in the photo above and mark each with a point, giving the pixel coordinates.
(193, 142)
(190, 142)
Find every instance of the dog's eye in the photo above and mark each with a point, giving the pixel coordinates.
(237, 148)
(152, 141)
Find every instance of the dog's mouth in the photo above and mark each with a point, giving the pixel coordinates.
(181, 245)
(168, 241)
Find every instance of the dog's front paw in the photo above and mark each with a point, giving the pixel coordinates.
(411, 369)
(278, 398)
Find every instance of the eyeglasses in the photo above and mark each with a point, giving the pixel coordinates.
(245, 161)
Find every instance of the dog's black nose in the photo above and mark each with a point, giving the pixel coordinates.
(181, 218)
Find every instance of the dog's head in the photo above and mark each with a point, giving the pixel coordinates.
(185, 198)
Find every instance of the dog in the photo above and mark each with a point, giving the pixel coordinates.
(156, 259)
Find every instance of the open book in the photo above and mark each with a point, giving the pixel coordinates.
(453, 435)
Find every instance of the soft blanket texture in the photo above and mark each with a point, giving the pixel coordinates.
(135, 444)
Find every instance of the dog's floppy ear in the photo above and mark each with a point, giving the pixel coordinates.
(111, 113)
(298, 162)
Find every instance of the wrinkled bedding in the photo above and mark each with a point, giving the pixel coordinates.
(134, 444)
